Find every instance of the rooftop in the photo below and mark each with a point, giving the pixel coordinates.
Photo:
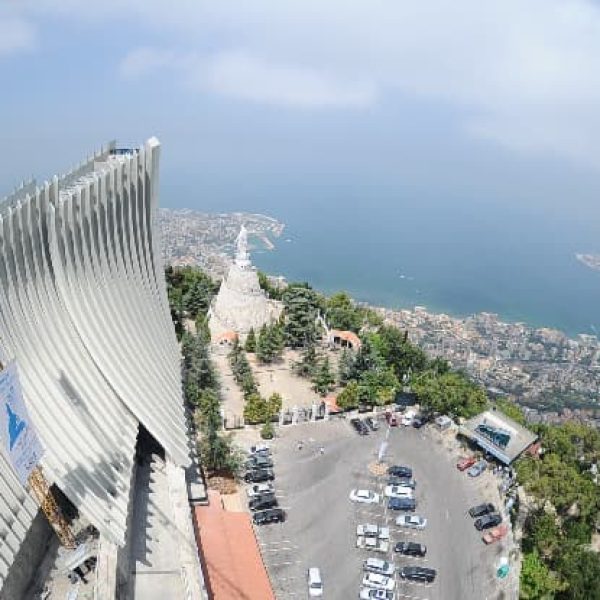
(502, 437)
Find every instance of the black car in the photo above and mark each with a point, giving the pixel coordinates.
(259, 475)
(418, 422)
(417, 574)
(405, 504)
(360, 426)
(404, 481)
(263, 502)
(400, 471)
(481, 510)
(259, 462)
(263, 452)
(488, 521)
(272, 515)
(410, 549)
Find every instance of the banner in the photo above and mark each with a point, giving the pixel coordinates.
(17, 434)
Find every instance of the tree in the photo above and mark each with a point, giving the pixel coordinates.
(348, 397)
(511, 410)
(250, 341)
(301, 309)
(274, 403)
(399, 353)
(342, 313)
(451, 393)
(346, 366)
(308, 362)
(270, 343)
(537, 581)
(323, 379)
(255, 409)
(580, 568)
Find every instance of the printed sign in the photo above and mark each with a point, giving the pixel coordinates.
(17, 434)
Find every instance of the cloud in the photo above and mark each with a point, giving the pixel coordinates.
(521, 73)
(143, 61)
(16, 34)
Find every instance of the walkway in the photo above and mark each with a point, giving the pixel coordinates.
(234, 569)
(155, 557)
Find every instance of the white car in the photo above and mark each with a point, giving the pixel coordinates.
(373, 544)
(315, 583)
(379, 566)
(411, 521)
(371, 594)
(373, 531)
(364, 496)
(398, 491)
(260, 488)
(378, 582)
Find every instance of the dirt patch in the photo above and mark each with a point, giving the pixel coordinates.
(224, 483)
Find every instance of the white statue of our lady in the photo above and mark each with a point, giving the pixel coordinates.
(242, 257)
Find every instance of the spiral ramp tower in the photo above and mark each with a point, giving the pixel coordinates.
(84, 313)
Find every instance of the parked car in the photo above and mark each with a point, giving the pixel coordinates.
(477, 469)
(465, 462)
(373, 544)
(371, 594)
(379, 582)
(422, 574)
(365, 408)
(372, 423)
(400, 471)
(404, 481)
(364, 496)
(315, 582)
(391, 418)
(259, 451)
(493, 535)
(488, 521)
(259, 476)
(406, 504)
(398, 491)
(482, 509)
(259, 489)
(418, 422)
(411, 521)
(373, 531)
(379, 566)
(272, 515)
(259, 462)
(410, 549)
(262, 502)
(359, 426)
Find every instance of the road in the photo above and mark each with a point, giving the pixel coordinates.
(321, 524)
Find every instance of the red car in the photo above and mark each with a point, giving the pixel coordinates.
(465, 463)
(493, 535)
(390, 417)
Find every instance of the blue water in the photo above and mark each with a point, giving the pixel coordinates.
(401, 249)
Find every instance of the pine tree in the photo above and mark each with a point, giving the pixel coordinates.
(346, 366)
(250, 341)
(323, 379)
(307, 364)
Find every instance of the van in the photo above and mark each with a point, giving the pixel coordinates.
(315, 583)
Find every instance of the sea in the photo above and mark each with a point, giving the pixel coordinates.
(459, 257)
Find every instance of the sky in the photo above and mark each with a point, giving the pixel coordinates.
(494, 101)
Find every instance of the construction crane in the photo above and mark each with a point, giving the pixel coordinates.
(43, 494)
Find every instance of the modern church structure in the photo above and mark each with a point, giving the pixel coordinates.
(84, 315)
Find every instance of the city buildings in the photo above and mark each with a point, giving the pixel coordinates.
(84, 314)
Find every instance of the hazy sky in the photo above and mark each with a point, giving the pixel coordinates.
(498, 101)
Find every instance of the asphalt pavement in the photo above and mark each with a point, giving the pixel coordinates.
(321, 521)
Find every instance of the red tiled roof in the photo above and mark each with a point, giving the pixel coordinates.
(347, 336)
(230, 336)
(232, 564)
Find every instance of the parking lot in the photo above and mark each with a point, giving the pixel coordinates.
(320, 529)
